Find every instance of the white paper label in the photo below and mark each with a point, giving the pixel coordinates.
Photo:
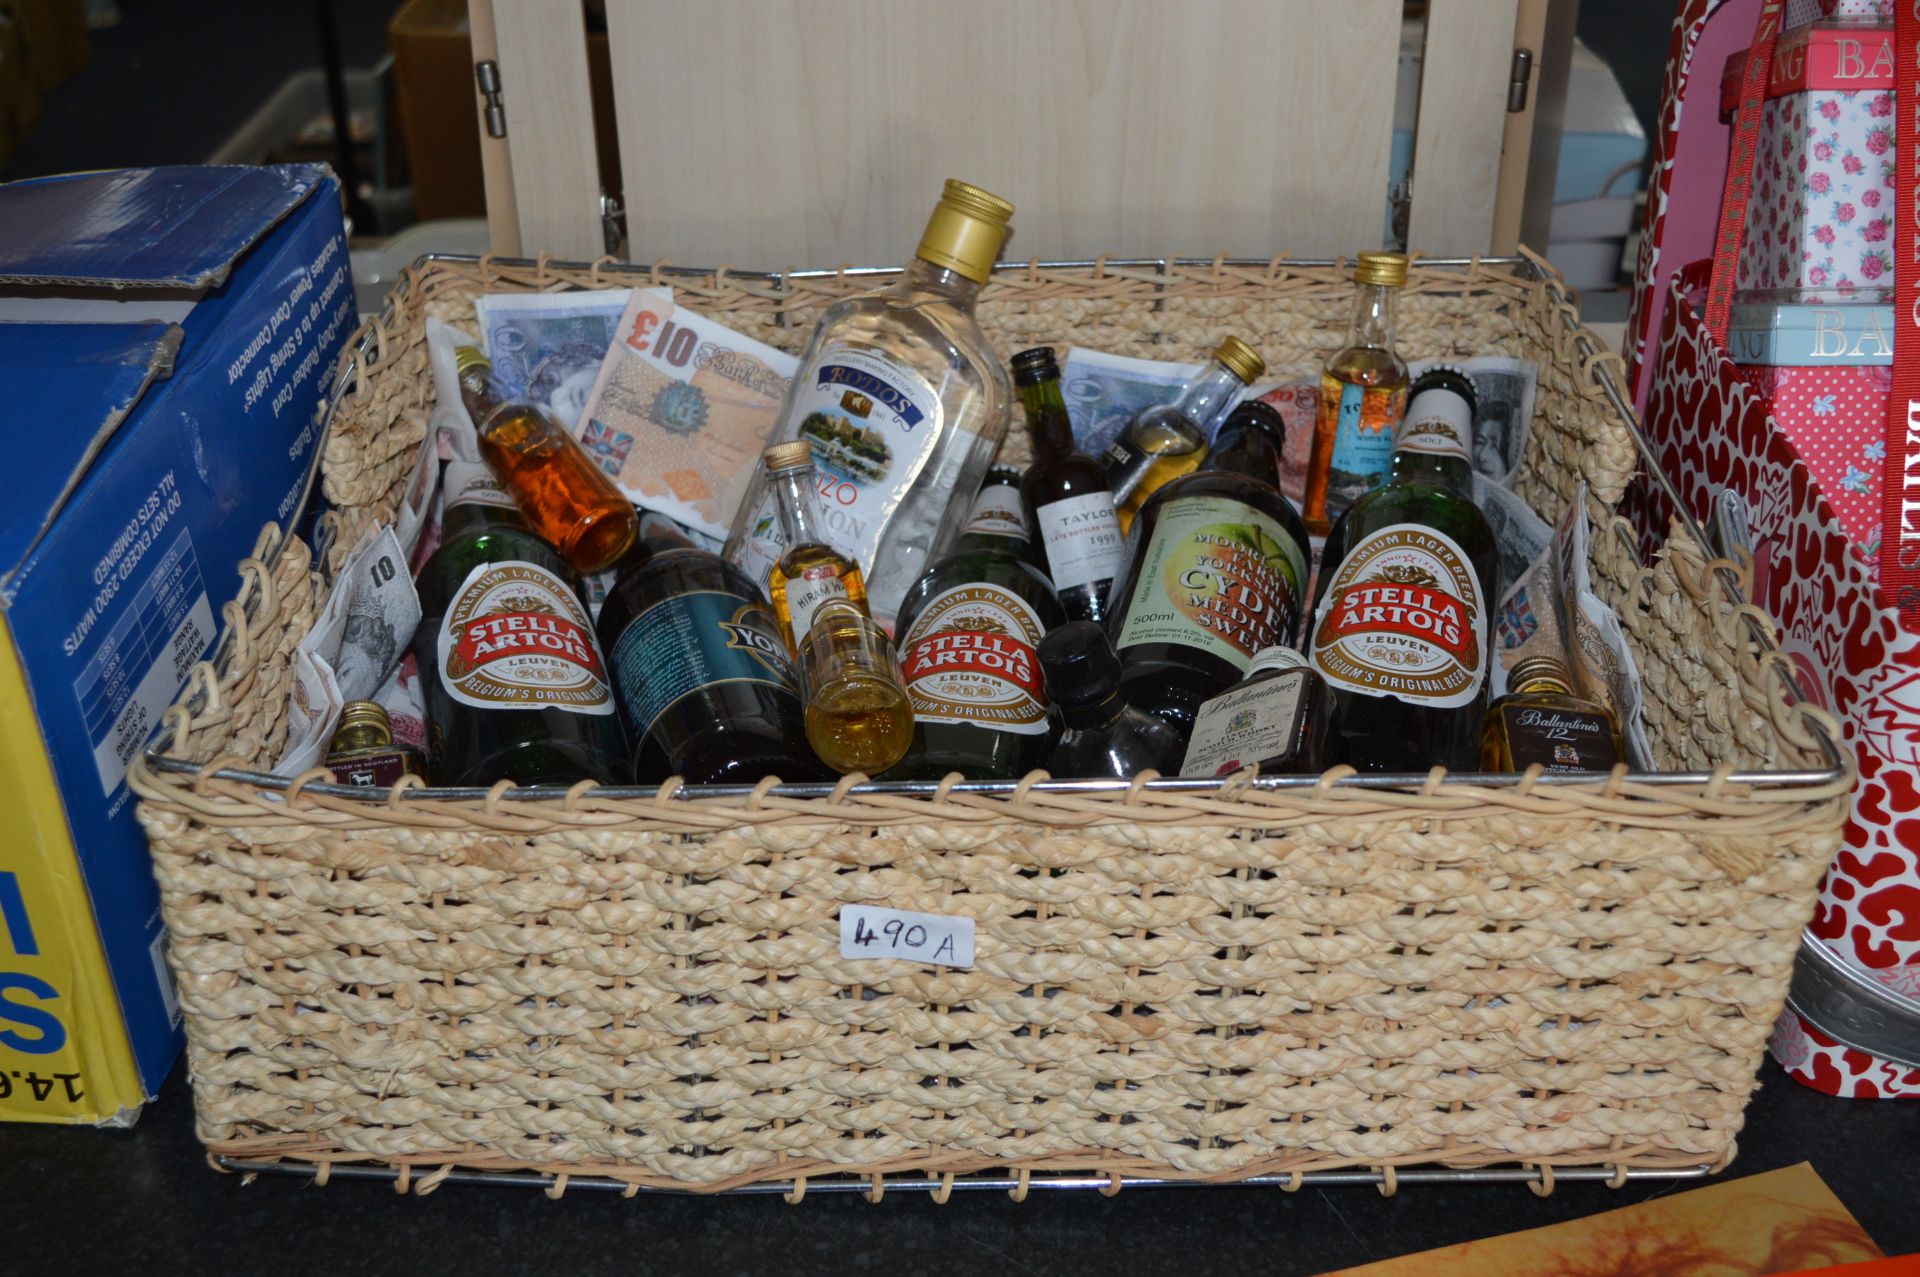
(1082, 536)
(1437, 424)
(969, 657)
(806, 593)
(1245, 725)
(472, 483)
(516, 637)
(1403, 617)
(870, 932)
(997, 512)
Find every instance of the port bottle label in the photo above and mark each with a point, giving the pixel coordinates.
(997, 513)
(1217, 575)
(1083, 541)
(695, 640)
(873, 424)
(969, 658)
(1404, 617)
(516, 637)
(1437, 424)
(1246, 725)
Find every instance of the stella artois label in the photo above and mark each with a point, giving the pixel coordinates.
(969, 658)
(1403, 617)
(515, 637)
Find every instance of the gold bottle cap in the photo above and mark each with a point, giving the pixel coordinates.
(788, 456)
(1241, 359)
(1380, 268)
(465, 357)
(363, 724)
(966, 231)
(1539, 671)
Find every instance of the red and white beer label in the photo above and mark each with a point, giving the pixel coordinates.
(515, 637)
(1404, 617)
(969, 658)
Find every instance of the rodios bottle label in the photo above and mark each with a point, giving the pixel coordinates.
(1403, 617)
(516, 637)
(695, 640)
(969, 658)
(1218, 575)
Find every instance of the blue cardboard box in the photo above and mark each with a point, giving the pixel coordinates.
(167, 340)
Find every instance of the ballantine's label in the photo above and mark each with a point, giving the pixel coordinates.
(873, 424)
(515, 637)
(1560, 740)
(695, 640)
(1218, 575)
(968, 658)
(1437, 424)
(1403, 617)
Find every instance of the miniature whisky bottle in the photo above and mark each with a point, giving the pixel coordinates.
(1541, 720)
(1104, 736)
(1363, 391)
(1280, 716)
(810, 571)
(858, 716)
(363, 751)
(1164, 443)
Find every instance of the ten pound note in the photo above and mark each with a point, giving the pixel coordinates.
(681, 410)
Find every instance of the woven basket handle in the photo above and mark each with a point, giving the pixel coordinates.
(1739, 188)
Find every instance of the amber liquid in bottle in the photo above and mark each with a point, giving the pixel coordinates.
(1541, 720)
(1170, 441)
(811, 571)
(859, 718)
(1363, 394)
(567, 499)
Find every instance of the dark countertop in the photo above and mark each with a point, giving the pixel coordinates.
(89, 1200)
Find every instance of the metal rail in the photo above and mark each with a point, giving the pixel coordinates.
(846, 1183)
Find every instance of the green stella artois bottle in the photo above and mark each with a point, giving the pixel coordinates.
(1400, 621)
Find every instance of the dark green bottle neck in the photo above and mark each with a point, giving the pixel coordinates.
(1246, 450)
(1452, 473)
(1048, 425)
(468, 519)
(1094, 716)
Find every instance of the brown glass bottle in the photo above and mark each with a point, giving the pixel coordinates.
(1541, 720)
(514, 684)
(705, 681)
(1281, 716)
(1068, 504)
(568, 500)
(1219, 574)
(1103, 736)
(1406, 582)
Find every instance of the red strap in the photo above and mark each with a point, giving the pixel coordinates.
(1900, 516)
(1746, 141)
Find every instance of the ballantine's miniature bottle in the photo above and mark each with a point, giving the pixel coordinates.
(705, 680)
(1163, 443)
(968, 632)
(1363, 391)
(1104, 736)
(514, 682)
(1541, 720)
(905, 403)
(568, 500)
(1406, 582)
(1280, 716)
(810, 571)
(1220, 574)
(1066, 496)
(363, 752)
(858, 716)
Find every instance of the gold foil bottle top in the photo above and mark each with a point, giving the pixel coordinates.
(787, 456)
(1532, 673)
(966, 231)
(1241, 359)
(363, 725)
(465, 357)
(1380, 268)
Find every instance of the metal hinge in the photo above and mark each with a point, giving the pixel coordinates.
(1518, 78)
(613, 224)
(487, 75)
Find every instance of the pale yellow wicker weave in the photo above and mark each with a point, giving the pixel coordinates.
(1206, 985)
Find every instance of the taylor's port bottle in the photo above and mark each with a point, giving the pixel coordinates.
(1103, 735)
(1406, 580)
(1065, 494)
(709, 690)
(1219, 575)
(1164, 443)
(514, 683)
(969, 628)
(567, 499)
(1281, 717)
(1363, 391)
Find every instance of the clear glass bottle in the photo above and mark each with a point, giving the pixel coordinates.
(1163, 443)
(1281, 716)
(1407, 581)
(1363, 392)
(1103, 736)
(568, 500)
(858, 716)
(810, 571)
(1542, 720)
(1065, 495)
(906, 403)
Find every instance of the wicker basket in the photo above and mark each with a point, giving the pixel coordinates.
(1174, 980)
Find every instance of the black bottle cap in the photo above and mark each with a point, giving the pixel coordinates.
(1445, 378)
(1031, 367)
(1080, 666)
